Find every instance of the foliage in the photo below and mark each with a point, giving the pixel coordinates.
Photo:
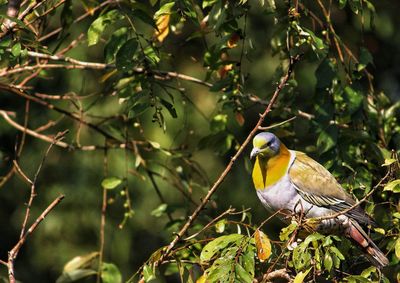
(157, 95)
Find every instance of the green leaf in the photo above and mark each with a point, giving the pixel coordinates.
(160, 210)
(118, 38)
(170, 107)
(393, 186)
(208, 3)
(325, 73)
(248, 260)
(389, 161)
(125, 56)
(111, 183)
(367, 272)
(355, 5)
(220, 270)
(165, 9)
(397, 248)
(336, 252)
(342, 3)
(137, 109)
(142, 15)
(354, 99)
(148, 273)
(216, 245)
(287, 231)
(317, 44)
(75, 275)
(301, 276)
(328, 262)
(242, 275)
(220, 226)
(16, 49)
(365, 59)
(97, 28)
(80, 262)
(313, 237)
(218, 123)
(327, 139)
(110, 273)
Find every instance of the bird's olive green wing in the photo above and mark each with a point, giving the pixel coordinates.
(317, 186)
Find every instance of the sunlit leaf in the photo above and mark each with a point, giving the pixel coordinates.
(202, 279)
(97, 28)
(263, 245)
(393, 186)
(111, 183)
(162, 30)
(110, 273)
(328, 261)
(220, 226)
(216, 245)
(367, 272)
(287, 231)
(397, 248)
(148, 273)
(389, 161)
(160, 210)
(80, 262)
(16, 49)
(242, 275)
(301, 276)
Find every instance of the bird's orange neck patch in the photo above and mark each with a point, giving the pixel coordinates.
(267, 172)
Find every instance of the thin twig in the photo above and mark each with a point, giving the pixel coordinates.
(277, 124)
(226, 212)
(33, 182)
(12, 255)
(221, 178)
(33, 133)
(103, 218)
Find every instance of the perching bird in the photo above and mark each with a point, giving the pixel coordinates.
(291, 181)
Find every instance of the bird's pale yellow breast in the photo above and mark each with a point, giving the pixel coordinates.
(268, 172)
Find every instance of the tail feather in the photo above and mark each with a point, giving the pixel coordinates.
(371, 250)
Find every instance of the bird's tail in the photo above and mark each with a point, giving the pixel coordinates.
(373, 253)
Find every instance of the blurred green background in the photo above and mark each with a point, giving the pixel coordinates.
(72, 228)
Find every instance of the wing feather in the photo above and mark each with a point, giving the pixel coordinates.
(317, 186)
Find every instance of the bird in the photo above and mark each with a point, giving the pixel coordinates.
(290, 181)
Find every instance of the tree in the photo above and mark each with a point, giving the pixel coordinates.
(145, 103)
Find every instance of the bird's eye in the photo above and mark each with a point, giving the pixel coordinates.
(269, 143)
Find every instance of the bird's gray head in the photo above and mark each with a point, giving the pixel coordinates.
(265, 145)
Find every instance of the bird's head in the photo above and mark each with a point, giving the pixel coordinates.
(265, 145)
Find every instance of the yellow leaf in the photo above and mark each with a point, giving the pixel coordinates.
(162, 27)
(106, 76)
(232, 42)
(239, 118)
(202, 279)
(263, 245)
(300, 276)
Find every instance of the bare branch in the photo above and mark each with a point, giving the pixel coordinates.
(33, 133)
(12, 255)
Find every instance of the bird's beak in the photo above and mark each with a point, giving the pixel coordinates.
(254, 152)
